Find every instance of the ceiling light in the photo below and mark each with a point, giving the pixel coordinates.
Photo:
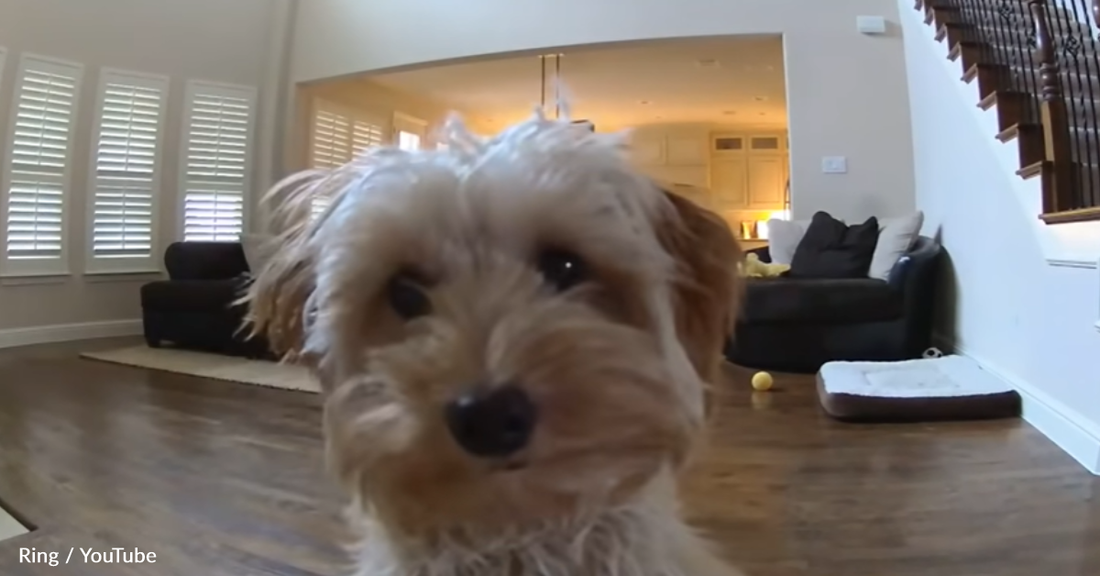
(729, 112)
(643, 102)
(707, 63)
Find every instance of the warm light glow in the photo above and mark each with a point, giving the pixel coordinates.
(780, 215)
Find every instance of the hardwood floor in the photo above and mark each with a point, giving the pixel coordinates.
(226, 479)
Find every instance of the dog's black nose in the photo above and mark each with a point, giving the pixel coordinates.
(492, 423)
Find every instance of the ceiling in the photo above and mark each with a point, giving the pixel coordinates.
(731, 80)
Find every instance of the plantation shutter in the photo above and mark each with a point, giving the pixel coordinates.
(367, 134)
(339, 134)
(331, 139)
(217, 160)
(126, 168)
(38, 173)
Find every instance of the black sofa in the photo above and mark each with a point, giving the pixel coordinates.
(796, 325)
(195, 308)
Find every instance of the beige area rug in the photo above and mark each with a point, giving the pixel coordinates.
(214, 366)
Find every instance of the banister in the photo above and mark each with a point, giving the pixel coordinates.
(1058, 194)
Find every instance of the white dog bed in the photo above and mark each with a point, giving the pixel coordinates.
(944, 388)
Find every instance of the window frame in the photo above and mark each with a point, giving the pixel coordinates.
(192, 89)
(123, 265)
(37, 267)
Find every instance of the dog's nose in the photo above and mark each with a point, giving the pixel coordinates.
(492, 423)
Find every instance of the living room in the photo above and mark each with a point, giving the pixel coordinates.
(139, 138)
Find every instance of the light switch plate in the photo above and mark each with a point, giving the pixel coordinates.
(834, 165)
(871, 24)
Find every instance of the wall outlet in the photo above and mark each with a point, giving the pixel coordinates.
(834, 165)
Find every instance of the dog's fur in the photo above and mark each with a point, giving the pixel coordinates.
(617, 366)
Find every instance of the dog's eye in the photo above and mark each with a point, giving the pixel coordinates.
(407, 298)
(562, 269)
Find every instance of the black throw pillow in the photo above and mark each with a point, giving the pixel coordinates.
(832, 249)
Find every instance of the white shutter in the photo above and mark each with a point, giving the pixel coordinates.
(217, 160)
(339, 134)
(366, 134)
(331, 138)
(38, 171)
(126, 172)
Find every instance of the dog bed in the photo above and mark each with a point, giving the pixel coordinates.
(927, 389)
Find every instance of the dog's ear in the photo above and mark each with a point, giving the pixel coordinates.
(278, 296)
(707, 290)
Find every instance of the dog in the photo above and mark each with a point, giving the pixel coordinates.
(515, 337)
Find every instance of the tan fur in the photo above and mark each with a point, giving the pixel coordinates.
(617, 366)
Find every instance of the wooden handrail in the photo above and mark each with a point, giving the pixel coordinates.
(1058, 195)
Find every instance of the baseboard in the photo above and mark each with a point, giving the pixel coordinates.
(1058, 422)
(68, 332)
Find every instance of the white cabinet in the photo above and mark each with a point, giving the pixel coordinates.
(679, 148)
(648, 151)
(767, 180)
(729, 182)
(686, 150)
(748, 171)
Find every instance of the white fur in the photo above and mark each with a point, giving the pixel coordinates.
(645, 538)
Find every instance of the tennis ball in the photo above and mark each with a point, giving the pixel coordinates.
(762, 381)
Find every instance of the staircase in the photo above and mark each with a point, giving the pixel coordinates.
(1037, 64)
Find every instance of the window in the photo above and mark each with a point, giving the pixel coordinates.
(38, 171)
(408, 140)
(126, 172)
(217, 160)
(339, 134)
(409, 131)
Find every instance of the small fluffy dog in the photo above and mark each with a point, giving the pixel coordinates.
(514, 337)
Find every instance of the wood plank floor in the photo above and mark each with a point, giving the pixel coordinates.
(226, 479)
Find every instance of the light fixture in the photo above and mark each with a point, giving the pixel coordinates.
(557, 89)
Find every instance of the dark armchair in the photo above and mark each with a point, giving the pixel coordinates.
(195, 308)
(796, 325)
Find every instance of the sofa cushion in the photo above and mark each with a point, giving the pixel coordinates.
(833, 249)
(783, 238)
(895, 237)
(803, 300)
(192, 295)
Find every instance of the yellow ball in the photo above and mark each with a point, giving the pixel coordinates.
(762, 381)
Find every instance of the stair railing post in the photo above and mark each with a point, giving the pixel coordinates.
(1058, 196)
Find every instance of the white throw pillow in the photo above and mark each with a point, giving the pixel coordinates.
(895, 237)
(256, 250)
(783, 238)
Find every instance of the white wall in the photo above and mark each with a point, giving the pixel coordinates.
(1003, 303)
(846, 92)
(214, 40)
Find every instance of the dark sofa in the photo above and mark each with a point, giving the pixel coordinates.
(796, 325)
(195, 308)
